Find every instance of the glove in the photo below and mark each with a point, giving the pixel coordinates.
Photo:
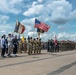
(13, 46)
(2, 46)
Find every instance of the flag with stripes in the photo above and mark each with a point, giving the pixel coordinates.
(19, 28)
(41, 25)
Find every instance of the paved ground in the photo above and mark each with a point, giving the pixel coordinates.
(62, 63)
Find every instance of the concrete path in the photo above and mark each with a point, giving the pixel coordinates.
(60, 63)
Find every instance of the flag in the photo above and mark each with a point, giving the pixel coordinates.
(23, 39)
(39, 30)
(19, 28)
(55, 40)
(41, 25)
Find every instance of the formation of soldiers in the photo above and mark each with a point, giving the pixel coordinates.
(61, 46)
(67, 45)
(31, 46)
(52, 46)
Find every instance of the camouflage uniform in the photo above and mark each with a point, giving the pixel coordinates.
(37, 46)
(25, 46)
(40, 47)
(34, 46)
(30, 46)
(20, 47)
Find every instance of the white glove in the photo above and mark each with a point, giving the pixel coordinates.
(13, 46)
(2, 47)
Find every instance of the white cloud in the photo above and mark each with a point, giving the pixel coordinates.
(29, 25)
(61, 27)
(73, 15)
(34, 9)
(60, 36)
(32, 34)
(3, 31)
(15, 1)
(58, 11)
(6, 28)
(29, 22)
(40, 1)
(66, 36)
(61, 12)
(10, 6)
(3, 19)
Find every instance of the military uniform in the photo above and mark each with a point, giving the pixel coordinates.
(20, 47)
(28, 47)
(34, 46)
(25, 46)
(30, 44)
(37, 46)
(40, 47)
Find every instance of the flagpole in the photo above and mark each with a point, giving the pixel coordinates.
(17, 24)
(39, 35)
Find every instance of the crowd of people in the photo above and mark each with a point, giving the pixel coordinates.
(11, 45)
(52, 46)
(7, 44)
(34, 46)
(30, 45)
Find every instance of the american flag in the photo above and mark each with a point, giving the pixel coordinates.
(41, 25)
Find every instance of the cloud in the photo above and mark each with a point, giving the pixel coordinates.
(3, 19)
(62, 27)
(29, 24)
(60, 36)
(66, 36)
(32, 34)
(73, 15)
(6, 28)
(3, 31)
(40, 1)
(10, 6)
(58, 11)
(61, 12)
(34, 9)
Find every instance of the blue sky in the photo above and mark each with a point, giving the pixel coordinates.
(60, 15)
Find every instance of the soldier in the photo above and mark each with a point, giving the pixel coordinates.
(28, 46)
(30, 43)
(34, 46)
(15, 43)
(37, 45)
(20, 46)
(25, 45)
(10, 45)
(58, 46)
(39, 51)
(51, 45)
(48, 44)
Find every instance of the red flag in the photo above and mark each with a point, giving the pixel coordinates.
(41, 25)
(55, 41)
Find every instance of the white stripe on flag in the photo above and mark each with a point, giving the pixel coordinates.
(20, 29)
